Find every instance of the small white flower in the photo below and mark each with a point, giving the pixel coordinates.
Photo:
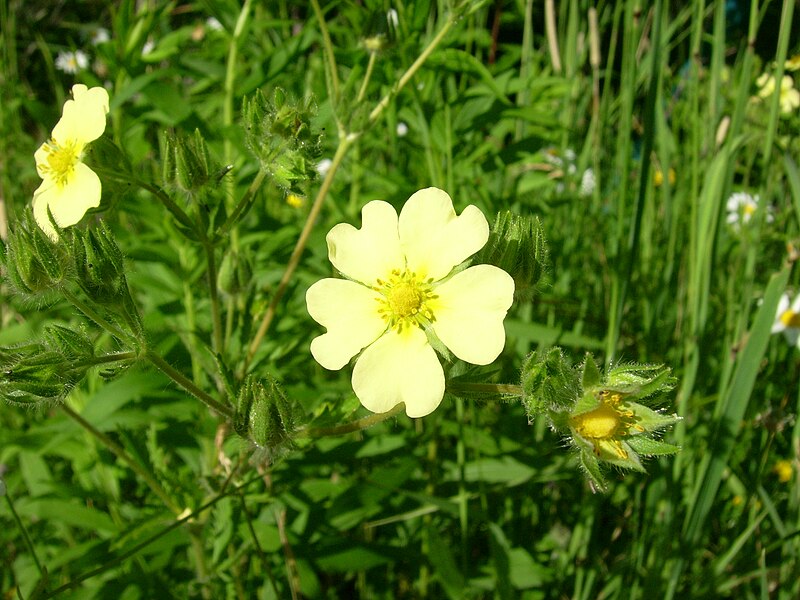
(741, 207)
(213, 24)
(148, 47)
(392, 18)
(324, 166)
(72, 62)
(100, 36)
(588, 182)
(402, 129)
(787, 319)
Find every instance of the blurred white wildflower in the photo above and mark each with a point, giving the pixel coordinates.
(787, 319)
(402, 129)
(148, 47)
(741, 207)
(392, 18)
(588, 182)
(324, 166)
(100, 36)
(72, 62)
(213, 24)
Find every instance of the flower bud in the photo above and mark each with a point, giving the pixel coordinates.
(604, 417)
(517, 245)
(265, 415)
(549, 382)
(32, 375)
(280, 135)
(71, 344)
(187, 164)
(98, 265)
(36, 265)
(235, 273)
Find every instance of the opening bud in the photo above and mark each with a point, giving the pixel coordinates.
(518, 246)
(265, 416)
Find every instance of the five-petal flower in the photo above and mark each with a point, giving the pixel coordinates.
(70, 188)
(401, 291)
(787, 319)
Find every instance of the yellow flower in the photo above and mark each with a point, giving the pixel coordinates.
(605, 425)
(783, 469)
(401, 292)
(793, 63)
(789, 97)
(295, 201)
(658, 177)
(70, 188)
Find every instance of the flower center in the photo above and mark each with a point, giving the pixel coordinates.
(609, 422)
(404, 298)
(749, 209)
(61, 161)
(790, 318)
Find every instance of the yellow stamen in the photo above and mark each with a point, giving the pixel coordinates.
(790, 318)
(61, 160)
(403, 299)
(608, 422)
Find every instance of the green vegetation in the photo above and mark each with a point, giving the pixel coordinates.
(166, 431)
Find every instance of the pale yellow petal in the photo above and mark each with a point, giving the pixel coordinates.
(399, 367)
(433, 238)
(69, 202)
(40, 198)
(369, 253)
(470, 310)
(40, 157)
(84, 118)
(349, 311)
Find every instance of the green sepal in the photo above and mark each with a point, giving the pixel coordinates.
(649, 447)
(591, 468)
(549, 382)
(639, 380)
(649, 419)
(591, 374)
(71, 344)
(517, 245)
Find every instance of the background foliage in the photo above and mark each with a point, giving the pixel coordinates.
(657, 100)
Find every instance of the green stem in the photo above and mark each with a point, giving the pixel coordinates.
(120, 453)
(112, 357)
(188, 385)
(358, 425)
(216, 318)
(244, 205)
(326, 42)
(367, 76)
(162, 196)
(23, 529)
(95, 316)
(485, 388)
(294, 259)
(230, 76)
(411, 71)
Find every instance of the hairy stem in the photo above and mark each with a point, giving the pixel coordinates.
(188, 385)
(358, 425)
(121, 454)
